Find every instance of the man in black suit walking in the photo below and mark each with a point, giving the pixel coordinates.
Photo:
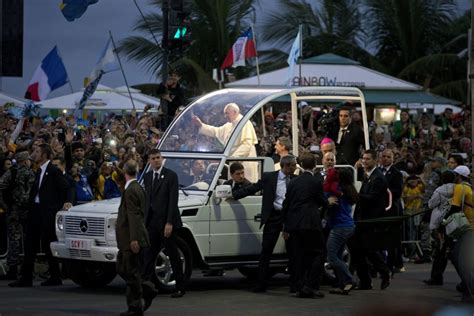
(49, 194)
(349, 139)
(395, 184)
(371, 204)
(302, 222)
(131, 238)
(162, 218)
(273, 184)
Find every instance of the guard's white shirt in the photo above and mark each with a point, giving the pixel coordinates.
(128, 182)
(339, 135)
(43, 171)
(280, 191)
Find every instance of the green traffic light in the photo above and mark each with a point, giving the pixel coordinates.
(180, 32)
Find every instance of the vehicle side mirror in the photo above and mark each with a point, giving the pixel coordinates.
(223, 191)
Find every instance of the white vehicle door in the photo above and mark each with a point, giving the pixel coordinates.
(235, 225)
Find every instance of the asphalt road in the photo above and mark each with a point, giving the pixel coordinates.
(229, 295)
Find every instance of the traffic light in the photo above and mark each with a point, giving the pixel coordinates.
(179, 23)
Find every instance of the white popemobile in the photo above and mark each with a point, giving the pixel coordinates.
(217, 233)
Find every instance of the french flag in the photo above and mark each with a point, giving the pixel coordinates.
(50, 75)
(243, 48)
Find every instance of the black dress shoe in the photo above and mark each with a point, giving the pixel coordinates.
(307, 292)
(178, 294)
(148, 295)
(52, 282)
(363, 287)
(21, 283)
(318, 294)
(385, 282)
(433, 282)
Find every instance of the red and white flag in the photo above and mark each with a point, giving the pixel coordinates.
(50, 75)
(243, 48)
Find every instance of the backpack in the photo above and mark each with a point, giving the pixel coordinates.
(440, 211)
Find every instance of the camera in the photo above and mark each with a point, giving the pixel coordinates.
(327, 121)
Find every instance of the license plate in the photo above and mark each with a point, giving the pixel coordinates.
(82, 244)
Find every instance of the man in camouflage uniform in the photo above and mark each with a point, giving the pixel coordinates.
(15, 185)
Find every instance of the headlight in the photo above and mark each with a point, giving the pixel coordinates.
(60, 231)
(60, 222)
(110, 235)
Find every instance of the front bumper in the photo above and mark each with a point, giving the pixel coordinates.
(96, 253)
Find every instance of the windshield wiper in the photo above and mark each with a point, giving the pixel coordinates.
(181, 186)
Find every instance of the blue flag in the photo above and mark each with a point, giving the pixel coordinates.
(74, 9)
(295, 52)
(88, 92)
(106, 63)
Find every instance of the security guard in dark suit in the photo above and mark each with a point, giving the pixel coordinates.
(131, 238)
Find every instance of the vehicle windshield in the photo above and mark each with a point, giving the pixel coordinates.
(184, 135)
(193, 174)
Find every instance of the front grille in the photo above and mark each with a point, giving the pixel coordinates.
(101, 243)
(78, 253)
(85, 226)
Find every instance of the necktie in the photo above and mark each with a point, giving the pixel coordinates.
(156, 178)
(38, 178)
(343, 134)
(287, 180)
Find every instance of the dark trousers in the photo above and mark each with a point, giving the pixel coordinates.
(271, 233)
(394, 258)
(158, 242)
(463, 261)
(361, 258)
(128, 267)
(40, 227)
(440, 256)
(309, 249)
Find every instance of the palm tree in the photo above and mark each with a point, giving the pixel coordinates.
(328, 26)
(215, 24)
(401, 31)
(419, 40)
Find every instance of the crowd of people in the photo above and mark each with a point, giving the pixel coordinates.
(416, 159)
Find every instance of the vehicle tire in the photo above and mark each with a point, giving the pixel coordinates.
(251, 273)
(163, 276)
(90, 274)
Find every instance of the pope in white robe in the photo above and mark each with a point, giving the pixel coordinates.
(244, 145)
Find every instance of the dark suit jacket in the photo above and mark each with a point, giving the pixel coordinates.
(395, 184)
(267, 184)
(162, 202)
(54, 191)
(130, 224)
(372, 197)
(237, 186)
(304, 197)
(348, 150)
